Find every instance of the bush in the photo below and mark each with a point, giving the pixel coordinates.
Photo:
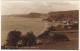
(59, 37)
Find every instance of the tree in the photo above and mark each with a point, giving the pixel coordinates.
(24, 39)
(13, 38)
(31, 39)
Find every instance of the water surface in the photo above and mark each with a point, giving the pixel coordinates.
(21, 24)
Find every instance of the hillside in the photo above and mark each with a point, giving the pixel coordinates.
(62, 15)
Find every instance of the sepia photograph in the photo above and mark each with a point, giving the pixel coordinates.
(40, 25)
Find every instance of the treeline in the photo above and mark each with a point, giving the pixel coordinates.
(15, 38)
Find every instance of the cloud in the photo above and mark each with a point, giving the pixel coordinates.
(22, 7)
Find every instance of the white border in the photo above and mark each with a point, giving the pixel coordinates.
(35, 50)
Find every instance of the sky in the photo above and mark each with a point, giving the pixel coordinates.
(40, 0)
(25, 7)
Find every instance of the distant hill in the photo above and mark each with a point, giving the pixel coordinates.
(30, 15)
(61, 15)
(34, 15)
